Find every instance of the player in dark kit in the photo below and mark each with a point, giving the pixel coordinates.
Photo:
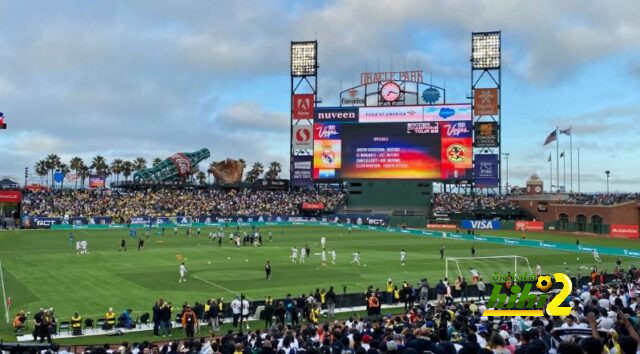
(267, 270)
(123, 245)
(473, 250)
(441, 252)
(140, 244)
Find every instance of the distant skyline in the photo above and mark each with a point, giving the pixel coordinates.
(150, 78)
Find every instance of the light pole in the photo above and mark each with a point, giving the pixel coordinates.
(506, 157)
(608, 173)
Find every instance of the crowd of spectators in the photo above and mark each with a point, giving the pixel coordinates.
(604, 318)
(601, 199)
(446, 203)
(172, 202)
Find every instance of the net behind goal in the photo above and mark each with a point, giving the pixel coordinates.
(485, 266)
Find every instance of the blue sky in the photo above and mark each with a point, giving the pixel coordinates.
(148, 78)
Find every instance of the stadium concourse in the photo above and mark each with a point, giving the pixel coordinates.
(604, 319)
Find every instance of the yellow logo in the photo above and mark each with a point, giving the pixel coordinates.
(456, 153)
(544, 283)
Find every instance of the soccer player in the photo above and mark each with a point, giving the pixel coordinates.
(403, 257)
(183, 273)
(333, 256)
(356, 257)
(220, 236)
(303, 255)
(324, 258)
(211, 236)
(267, 270)
(294, 254)
(524, 231)
(308, 250)
(473, 250)
(618, 262)
(349, 230)
(175, 231)
(198, 232)
(123, 245)
(78, 247)
(596, 256)
(71, 238)
(270, 236)
(323, 240)
(140, 244)
(442, 252)
(83, 244)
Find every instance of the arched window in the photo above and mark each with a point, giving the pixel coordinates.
(581, 222)
(596, 223)
(563, 221)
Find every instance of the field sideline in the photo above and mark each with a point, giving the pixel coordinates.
(42, 270)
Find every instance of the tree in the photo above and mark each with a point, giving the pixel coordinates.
(52, 162)
(244, 165)
(139, 164)
(116, 168)
(255, 172)
(127, 168)
(274, 170)
(64, 168)
(76, 163)
(41, 169)
(84, 174)
(156, 162)
(99, 165)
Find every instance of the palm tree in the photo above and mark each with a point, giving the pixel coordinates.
(52, 162)
(274, 170)
(64, 168)
(41, 169)
(139, 163)
(84, 173)
(156, 162)
(127, 168)
(99, 165)
(201, 177)
(244, 165)
(255, 172)
(116, 168)
(75, 165)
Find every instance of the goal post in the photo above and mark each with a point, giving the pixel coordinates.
(511, 263)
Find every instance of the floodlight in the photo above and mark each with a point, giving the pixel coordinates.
(304, 58)
(485, 50)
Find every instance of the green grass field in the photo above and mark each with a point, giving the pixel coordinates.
(42, 270)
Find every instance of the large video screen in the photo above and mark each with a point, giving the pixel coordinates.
(393, 143)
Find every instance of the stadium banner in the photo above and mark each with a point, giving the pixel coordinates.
(302, 137)
(271, 184)
(301, 171)
(302, 106)
(622, 230)
(312, 206)
(485, 101)
(336, 114)
(442, 226)
(486, 170)
(480, 224)
(10, 196)
(486, 135)
(353, 97)
(530, 225)
(434, 113)
(96, 181)
(39, 222)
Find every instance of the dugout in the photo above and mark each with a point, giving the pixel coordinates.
(406, 201)
(10, 201)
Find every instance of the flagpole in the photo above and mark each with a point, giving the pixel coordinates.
(564, 171)
(550, 174)
(578, 169)
(557, 159)
(571, 156)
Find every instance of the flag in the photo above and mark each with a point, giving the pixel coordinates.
(566, 131)
(562, 154)
(552, 137)
(549, 158)
(2, 125)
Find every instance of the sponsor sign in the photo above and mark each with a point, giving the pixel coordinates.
(302, 137)
(442, 226)
(485, 171)
(413, 76)
(435, 113)
(272, 184)
(480, 224)
(336, 114)
(352, 97)
(485, 101)
(301, 171)
(10, 196)
(486, 134)
(456, 129)
(312, 206)
(302, 106)
(447, 113)
(543, 207)
(530, 225)
(182, 163)
(622, 230)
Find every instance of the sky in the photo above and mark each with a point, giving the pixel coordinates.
(124, 79)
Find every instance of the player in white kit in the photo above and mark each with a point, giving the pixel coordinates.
(83, 244)
(303, 255)
(294, 254)
(183, 273)
(596, 256)
(323, 241)
(356, 258)
(333, 256)
(324, 258)
(78, 247)
(403, 257)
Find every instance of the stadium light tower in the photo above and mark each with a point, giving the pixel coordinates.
(304, 93)
(608, 173)
(506, 158)
(486, 83)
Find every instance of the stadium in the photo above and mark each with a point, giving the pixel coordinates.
(392, 228)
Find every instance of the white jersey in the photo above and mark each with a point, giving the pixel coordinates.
(323, 240)
(183, 270)
(333, 255)
(356, 257)
(403, 256)
(324, 256)
(78, 246)
(83, 244)
(294, 252)
(303, 254)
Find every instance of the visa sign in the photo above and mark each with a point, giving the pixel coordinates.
(480, 224)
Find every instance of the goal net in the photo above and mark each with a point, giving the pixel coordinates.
(485, 266)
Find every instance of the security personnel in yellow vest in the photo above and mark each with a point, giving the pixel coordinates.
(76, 324)
(388, 296)
(110, 319)
(323, 298)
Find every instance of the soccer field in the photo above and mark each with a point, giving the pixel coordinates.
(41, 269)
